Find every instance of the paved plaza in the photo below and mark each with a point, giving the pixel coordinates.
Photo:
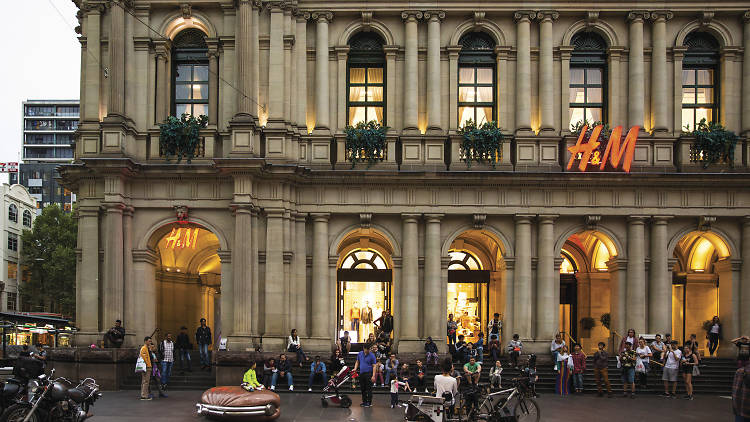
(123, 406)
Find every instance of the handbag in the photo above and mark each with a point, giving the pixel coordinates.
(696, 371)
(140, 365)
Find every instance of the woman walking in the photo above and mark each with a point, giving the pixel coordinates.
(564, 367)
(714, 335)
(688, 367)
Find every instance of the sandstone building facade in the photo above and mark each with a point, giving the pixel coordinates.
(271, 228)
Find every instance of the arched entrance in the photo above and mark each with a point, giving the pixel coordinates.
(187, 278)
(700, 259)
(364, 279)
(585, 289)
(476, 275)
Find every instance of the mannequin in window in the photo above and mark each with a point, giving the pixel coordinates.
(366, 319)
(354, 317)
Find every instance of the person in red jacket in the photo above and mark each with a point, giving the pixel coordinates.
(579, 368)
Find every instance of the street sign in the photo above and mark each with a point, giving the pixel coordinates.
(8, 167)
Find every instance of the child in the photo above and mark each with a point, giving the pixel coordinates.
(579, 367)
(495, 375)
(395, 385)
(379, 369)
(250, 381)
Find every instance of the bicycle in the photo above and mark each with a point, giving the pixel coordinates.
(512, 404)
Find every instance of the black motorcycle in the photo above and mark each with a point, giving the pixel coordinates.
(54, 400)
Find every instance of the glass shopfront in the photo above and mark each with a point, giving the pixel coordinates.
(468, 294)
(364, 293)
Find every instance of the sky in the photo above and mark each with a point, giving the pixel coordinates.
(43, 61)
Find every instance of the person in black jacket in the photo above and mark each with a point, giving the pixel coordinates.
(183, 349)
(203, 338)
(115, 336)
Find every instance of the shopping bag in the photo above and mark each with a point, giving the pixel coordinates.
(619, 364)
(696, 371)
(140, 365)
(639, 366)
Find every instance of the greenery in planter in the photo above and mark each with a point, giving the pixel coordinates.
(606, 130)
(713, 143)
(180, 137)
(588, 323)
(605, 318)
(365, 142)
(483, 144)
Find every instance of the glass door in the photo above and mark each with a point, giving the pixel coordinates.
(360, 304)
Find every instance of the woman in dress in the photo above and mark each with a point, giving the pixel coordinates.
(557, 344)
(688, 362)
(564, 367)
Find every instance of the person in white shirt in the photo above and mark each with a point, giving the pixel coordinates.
(557, 344)
(444, 383)
(296, 347)
(657, 347)
(167, 360)
(671, 359)
(644, 353)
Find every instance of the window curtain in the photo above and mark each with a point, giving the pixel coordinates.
(378, 97)
(356, 94)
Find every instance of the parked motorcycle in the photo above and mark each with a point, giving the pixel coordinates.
(54, 400)
(26, 369)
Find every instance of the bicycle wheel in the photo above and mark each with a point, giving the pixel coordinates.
(527, 410)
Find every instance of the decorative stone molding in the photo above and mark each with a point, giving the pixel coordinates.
(545, 15)
(366, 21)
(638, 15)
(704, 222)
(592, 221)
(322, 15)
(433, 218)
(225, 256)
(411, 14)
(592, 16)
(434, 15)
(479, 221)
(478, 18)
(524, 15)
(664, 15)
(365, 220)
(746, 17)
(187, 10)
(705, 18)
(181, 212)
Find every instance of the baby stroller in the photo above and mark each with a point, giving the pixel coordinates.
(331, 390)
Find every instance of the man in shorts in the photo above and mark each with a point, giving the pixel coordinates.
(671, 358)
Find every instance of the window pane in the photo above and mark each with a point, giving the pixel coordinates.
(466, 94)
(594, 115)
(687, 119)
(484, 94)
(357, 75)
(702, 113)
(484, 76)
(180, 109)
(356, 115)
(705, 96)
(576, 75)
(688, 77)
(356, 93)
(375, 75)
(688, 95)
(466, 75)
(200, 91)
(593, 76)
(594, 95)
(200, 73)
(375, 113)
(200, 109)
(484, 115)
(576, 115)
(183, 72)
(464, 114)
(182, 92)
(705, 76)
(375, 93)
(577, 95)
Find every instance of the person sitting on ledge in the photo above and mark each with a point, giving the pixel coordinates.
(115, 336)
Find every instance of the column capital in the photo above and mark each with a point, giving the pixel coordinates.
(113, 207)
(433, 218)
(299, 217)
(241, 208)
(661, 15)
(523, 218)
(547, 15)
(301, 16)
(637, 219)
(322, 16)
(434, 15)
(547, 218)
(638, 16)
(746, 220)
(320, 216)
(411, 15)
(524, 15)
(410, 218)
(342, 51)
(274, 212)
(661, 219)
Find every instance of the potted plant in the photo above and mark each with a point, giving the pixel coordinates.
(181, 137)
(712, 144)
(365, 142)
(481, 144)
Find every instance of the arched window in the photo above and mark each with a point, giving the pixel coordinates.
(26, 218)
(461, 260)
(365, 79)
(588, 66)
(13, 213)
(699, 71)
(190, 73)
(363, 259)
(476, 79)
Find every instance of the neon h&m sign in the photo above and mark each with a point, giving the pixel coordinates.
(182, 238)
(590, 152)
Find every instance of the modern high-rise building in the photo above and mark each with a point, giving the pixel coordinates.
(48, 130)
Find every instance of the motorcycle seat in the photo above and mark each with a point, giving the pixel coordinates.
(76, 395)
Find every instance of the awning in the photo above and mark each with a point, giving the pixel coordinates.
(23, 318)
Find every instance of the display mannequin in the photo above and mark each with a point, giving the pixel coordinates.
(354, 315)
(366, 319)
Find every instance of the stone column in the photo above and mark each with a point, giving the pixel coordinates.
(254, 273)
(546, 279)
(409, 292)
(614, 95)
(93, 71)
(660, 280)
(116, 46)
(321, 311)
(523, 70)
(729, 271)
(546, 72)
(565, 84)
(434, 85)
(276, 65)
(245, 63)
(87, 291)
(678, 54)
(162, 84)
(434, 307)
(342, 54)
(411, 70)
(636, 73)
(522, 288)
(242, 286)
(213, 86)
(322, 102)
(112, 297)
(659, 93)
(130, 297)
(635, 312)
(289, 81)
(275, 312)
(618, 275)
(745, 286)
(453, 53)
(300, 273)
(300, 50)
(746, 83)
(390, 89)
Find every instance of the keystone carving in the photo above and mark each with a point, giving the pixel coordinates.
(704, 223)
(592, 221)
(479, 220)
(187, 10)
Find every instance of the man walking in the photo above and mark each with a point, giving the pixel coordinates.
(365, 362)
(183, 349)
(203, 339)
(167, 359)
(145, 354)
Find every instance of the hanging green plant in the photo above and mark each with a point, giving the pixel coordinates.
(712, 144)
(588, 323)
(365, 142)
(483, 144)
(605, 319)
(180, 137)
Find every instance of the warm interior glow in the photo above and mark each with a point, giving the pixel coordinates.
(463, 260)
(601, 256)
(566, 267)
(263, 116)
(189, 249)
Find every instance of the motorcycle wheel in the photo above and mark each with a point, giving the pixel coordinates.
(17, 413)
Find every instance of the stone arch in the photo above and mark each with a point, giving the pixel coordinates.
(175, 22)
(577, 228)
(579, 256)
(333, 247)
(715, 28)
(484, 25)
(506, 247)
(600, 27)
(357, 26)
(162, 227)
(691, 228)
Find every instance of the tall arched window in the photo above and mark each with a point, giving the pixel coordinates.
(365, 79)
(699, 72)
(13, 213)
(476, 79)
(26, 218)
(588, 73)
(190, 73)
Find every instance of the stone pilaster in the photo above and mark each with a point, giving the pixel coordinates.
(242, 284)
(434, 313)
(87, 290)
(300, 274)
(635, 313)
(116, 47)
(745, 286)
(659, 93)
(162, 50)
(321, 312)
(245, 64)
(92, 84)
(546, 71)
(636, 72)
(276, 82)
(322, 102)
(522, 283)
(275, 311)
(409, 291)
(411, 70)
(523, 70)
(746, 77)
(130, 296)
(434, 91)
(660, 281)
(213, 85)
(112, 298)
(546, 280)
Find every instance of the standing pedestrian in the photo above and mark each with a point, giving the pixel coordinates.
(628, 359)
(184, 346)
(714, 335)
(203, 339)
(167, 359)
(395, 385)
(365, 362)
(644, 355)
(564, 367)
(155, 372)
(741, 394)
(557, 344)
(452, 328)
(579, 367)
(671, 359)
(446, 385)
(688, 366)
(145, 355)
(601, 375)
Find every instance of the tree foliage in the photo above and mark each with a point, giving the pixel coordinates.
(365, 142)
(483, 144)
(49, 257)
(180, 137)
(713, 143)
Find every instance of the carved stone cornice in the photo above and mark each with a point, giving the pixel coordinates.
(322, 15)
(438, 15)
(408, 15)
(545, 15)
(661, 15)
(638, 15)
(522, 15)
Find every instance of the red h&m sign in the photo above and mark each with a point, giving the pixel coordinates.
(588, 153)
